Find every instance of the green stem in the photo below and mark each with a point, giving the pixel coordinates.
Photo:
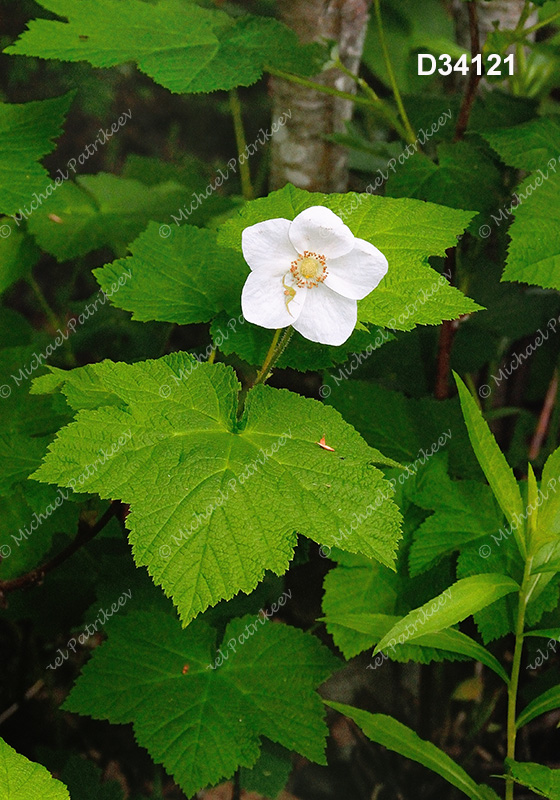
(524, 16)
(235, 106)
(49, 313)
(275, 350)
(411, 138)
(374, 105)
(54, 321)
(542, 24)
(524, 595)
(389, 115)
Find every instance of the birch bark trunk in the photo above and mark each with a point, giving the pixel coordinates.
(300, 154)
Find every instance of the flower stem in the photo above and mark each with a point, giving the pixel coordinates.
(277, 347)
(235, 106)
(524, 595)
(410, 137)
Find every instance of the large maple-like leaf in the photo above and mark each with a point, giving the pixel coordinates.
(216, 502)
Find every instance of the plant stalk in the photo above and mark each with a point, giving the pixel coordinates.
(376, 105)
(244, 171)
(410, 136)
(275, 350)
(524, 595)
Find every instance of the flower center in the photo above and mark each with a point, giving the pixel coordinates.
(309, 269)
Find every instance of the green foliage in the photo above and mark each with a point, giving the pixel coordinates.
(394, 735)
(83, 779)
(464, 177)
(407, 429)
(219, 484)
(541, 780)
(189, 49)
(256, 683)
(18, 255)
(527, 146)
(211, 473)
(498, 473)
(462, 599)
(534, 251)
(20, 779)
(465, 508)
(26, 135)
(547, 701)
(185, 278)
(100, 210)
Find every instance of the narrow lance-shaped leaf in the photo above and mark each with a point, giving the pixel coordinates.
(493, 462)
(547, 701)
(449, 641)
(386, 731)
(464, 598)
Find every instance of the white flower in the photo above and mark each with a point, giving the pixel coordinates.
(309, 273)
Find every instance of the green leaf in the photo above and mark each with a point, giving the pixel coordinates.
(271, 772)
(204, 723)
(464, 598)
(184, 278)
(464, 177)
(534, 251)
(207, 517)
(406, 231)
(548, 524)
(409, 430)
(26, 135)
(30, 514)
(100, 210)
(501, 555)
(448, 642)
(84, 780)
(386, 731)
(528, 146)
(547, 701)
(18, 254)
(540, 779)
(20, 779)
(498, 472)
(463, 512)
(188, 49)
(355, 587)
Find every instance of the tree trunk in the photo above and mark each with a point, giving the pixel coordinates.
(300, 154)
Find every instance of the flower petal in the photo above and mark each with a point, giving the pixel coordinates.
(263, 301)
(319, 230)
(357, 273)
(267, 246)
(326, 317)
